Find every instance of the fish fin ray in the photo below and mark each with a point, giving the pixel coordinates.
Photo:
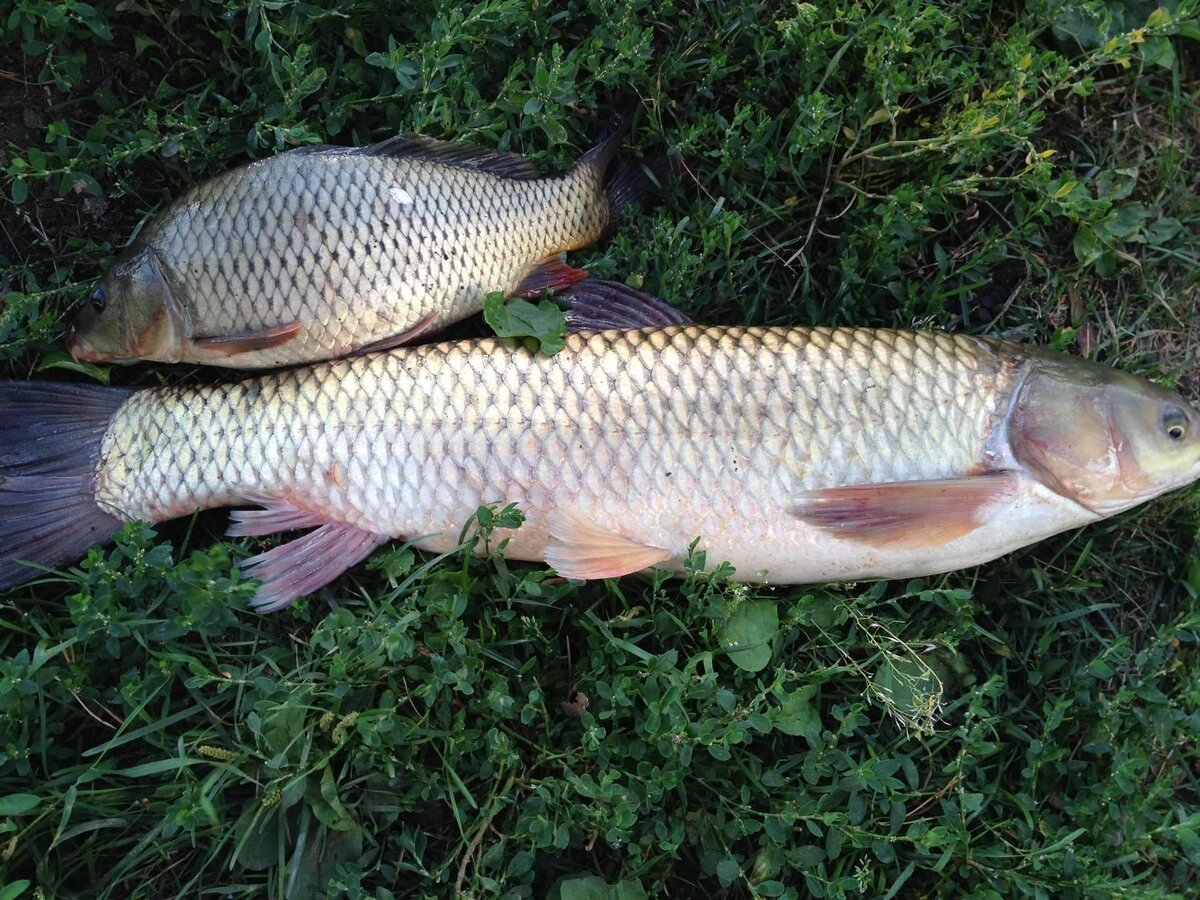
(503, 163)
(597, 305)
(302, 565)
(550, 274)
(225, 345)
(49, 448)
(276, 514)
(579, 548)
(425, 326)
(907, 514)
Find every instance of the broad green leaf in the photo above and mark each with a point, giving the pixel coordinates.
(16, 804)
(797, 716)
(519, 318)
(746, 634)
(1159, 51)
(592, 887)
(59, 359)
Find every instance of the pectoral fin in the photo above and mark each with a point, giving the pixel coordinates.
(550, 274)
(908, 514)
(428, 325)
(232, 344)
(579, 548)
(300, 566)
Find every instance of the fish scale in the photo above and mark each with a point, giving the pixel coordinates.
(629, 428)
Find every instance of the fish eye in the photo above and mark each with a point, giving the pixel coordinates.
(1174, 423)
(98, 298)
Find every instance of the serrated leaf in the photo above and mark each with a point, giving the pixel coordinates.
(746, 634)
(519, 318)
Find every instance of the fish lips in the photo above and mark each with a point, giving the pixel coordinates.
(81, 351)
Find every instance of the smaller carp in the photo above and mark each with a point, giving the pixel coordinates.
(321, 252)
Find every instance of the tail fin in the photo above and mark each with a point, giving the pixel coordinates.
(630, 181)
(50, 437)
(599, 157)
(597, 305)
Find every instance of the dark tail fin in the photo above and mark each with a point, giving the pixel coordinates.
(50, 438)
(632, 182)
(629, 181)
(599, 157)
(596, 305)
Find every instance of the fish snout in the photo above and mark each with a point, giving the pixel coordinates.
(81, 351)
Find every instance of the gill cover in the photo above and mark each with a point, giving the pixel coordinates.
(134, 315)
(1106, 439)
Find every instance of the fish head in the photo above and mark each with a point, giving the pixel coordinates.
(133, 314)
(1104, 438)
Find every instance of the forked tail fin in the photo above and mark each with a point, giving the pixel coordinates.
(627, 181)
(50, 436)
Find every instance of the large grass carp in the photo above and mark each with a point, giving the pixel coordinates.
(324, 251)
(796, 454)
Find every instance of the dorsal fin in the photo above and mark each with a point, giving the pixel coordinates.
(462, 156)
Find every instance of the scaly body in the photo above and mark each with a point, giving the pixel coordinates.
(320, 252)
(797, 455)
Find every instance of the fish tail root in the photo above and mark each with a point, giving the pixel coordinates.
(49, 447)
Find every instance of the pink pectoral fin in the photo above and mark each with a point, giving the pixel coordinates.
(428, 325)
(579, 548)
(302, 565)
(550, 274)
(232, 344)
(906, 514)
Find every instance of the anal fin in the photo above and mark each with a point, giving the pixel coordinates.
(304, 564)
(277, 515)
(233, 344)
(579, 548)
(906, 514)
(550, 274)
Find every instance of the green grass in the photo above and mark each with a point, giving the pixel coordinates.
(432, 726)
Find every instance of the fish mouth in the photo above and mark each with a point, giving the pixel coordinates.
(83, 352)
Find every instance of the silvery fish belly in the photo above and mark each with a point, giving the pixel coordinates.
(798, 455)
(320, 252)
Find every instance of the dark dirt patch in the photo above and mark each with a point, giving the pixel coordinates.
(45, 223)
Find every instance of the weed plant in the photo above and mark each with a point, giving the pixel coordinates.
(461, 726)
